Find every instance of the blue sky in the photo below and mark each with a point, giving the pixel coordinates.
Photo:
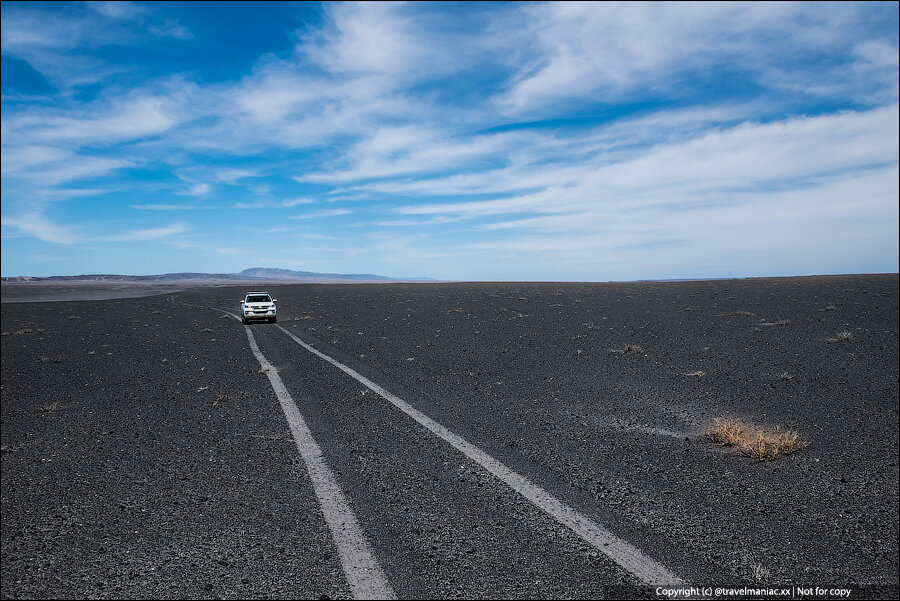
(474, 141)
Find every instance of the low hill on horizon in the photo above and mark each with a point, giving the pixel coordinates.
(261, 274)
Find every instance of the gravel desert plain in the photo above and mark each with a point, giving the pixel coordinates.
(146, 455)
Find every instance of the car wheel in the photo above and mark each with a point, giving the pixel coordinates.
(273, 320)
(244, 320)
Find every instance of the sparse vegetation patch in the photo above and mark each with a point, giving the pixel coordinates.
(762, 444)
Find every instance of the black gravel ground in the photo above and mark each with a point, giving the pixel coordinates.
(144, 455)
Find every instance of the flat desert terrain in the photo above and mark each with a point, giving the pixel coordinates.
(147, 454)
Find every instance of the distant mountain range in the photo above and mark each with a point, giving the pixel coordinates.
(260, 274)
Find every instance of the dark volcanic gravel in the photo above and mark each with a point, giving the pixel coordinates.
(144, 455)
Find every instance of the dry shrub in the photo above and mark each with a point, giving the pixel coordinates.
(769, 445)
(760, 572)
(633, 348)
(725, 431)
(762, 444)
(844, 336)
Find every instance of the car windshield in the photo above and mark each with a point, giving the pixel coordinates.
(258, 298)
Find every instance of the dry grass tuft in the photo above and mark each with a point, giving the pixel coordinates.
(727, 432)
(760, 572)
(762, 444)
(844, 336)
(632, 348)
(771, 444)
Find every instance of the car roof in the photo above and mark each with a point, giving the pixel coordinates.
(249, 293)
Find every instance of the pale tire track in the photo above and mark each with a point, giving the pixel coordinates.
(364, 574)
(620, 551)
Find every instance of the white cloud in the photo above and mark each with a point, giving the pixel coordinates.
(53, 173)
(322, 213)
(274, 204)
(198, 189)
(878, 53)
(161, 207)
(233, 176)
(412, 150)
(302, 200)
(23, 30)
(367, 39)
(51, 41)
(608, 50)
(126, 119)
(119, 10)
(717, 166)
(171, 28)
(820, 226)
(25, 157)
(147, 234)
(275, 93)
(417, 222)
(37, 225)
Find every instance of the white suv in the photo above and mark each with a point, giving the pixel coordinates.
(258, 305)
